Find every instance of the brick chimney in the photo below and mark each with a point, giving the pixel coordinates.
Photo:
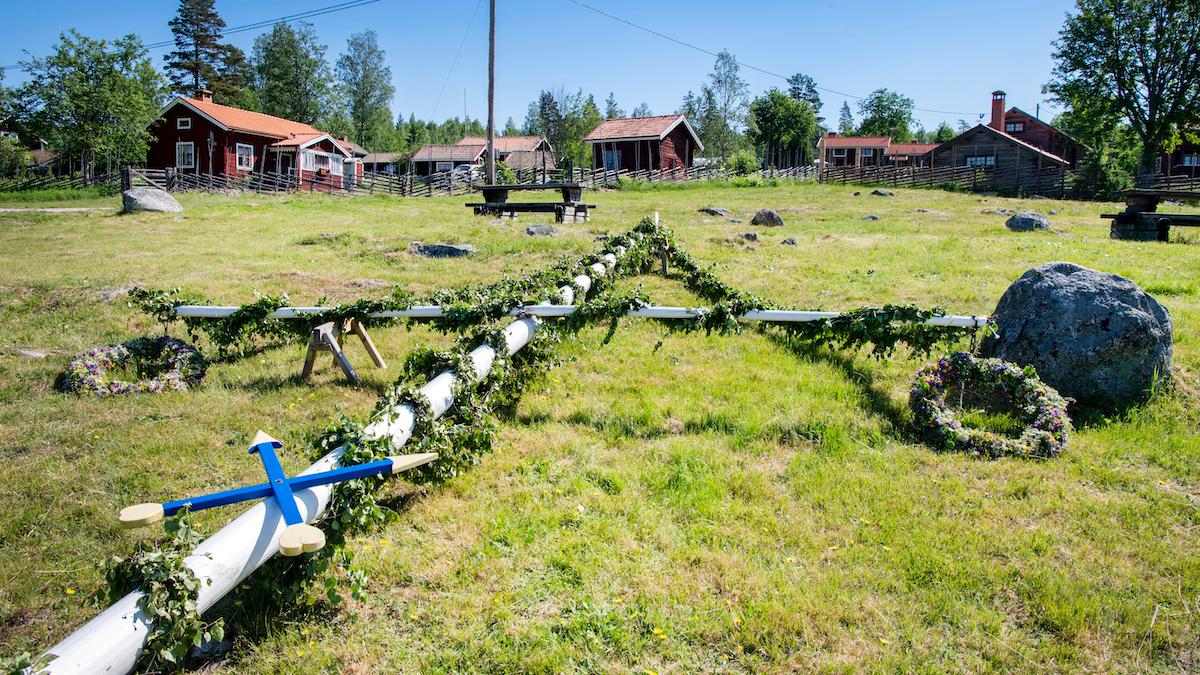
(997, 122)
(204, 95)
(832, 134)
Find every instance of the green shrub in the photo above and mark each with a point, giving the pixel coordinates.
(505, 175)
(743, 163)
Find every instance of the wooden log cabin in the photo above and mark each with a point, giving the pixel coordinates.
(641, 143)
(195, 135)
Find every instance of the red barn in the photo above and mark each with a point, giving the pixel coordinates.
(195, 135)
(637, 143)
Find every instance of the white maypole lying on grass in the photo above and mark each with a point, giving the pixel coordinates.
(112, 642)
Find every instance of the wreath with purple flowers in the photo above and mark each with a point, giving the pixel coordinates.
(1038, 405)
(162, 364)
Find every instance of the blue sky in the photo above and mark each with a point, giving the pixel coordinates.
(945, 55)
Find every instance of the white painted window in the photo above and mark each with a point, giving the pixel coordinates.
(981, 160)
(1191, 160)
(183, 123)
(320, 160)
(868, 152)
(245, 157)
(185, 155)
(839, 152)
(335, 166)
(444, 166)
(1012, 127)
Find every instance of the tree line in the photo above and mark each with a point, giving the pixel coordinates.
(1127, 73)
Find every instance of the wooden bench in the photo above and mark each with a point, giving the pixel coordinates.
(570, 209)
(1140, 221)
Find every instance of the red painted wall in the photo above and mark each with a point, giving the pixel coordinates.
(1041, 135)
(165, 133)
(678, 149)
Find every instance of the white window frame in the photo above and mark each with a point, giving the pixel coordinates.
(192, 151)
(867, 152)
(183, 123)
(1191, 159)
(1014, 127)
(317, 157)
(439, 167)
(238, 155)
(981, 161)
(839, 152)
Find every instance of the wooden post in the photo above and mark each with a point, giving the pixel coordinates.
(491, 139)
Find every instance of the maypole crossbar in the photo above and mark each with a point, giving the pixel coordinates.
(548, 310)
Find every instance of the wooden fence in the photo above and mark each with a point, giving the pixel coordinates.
(110, 181)
(1160, 182)
(1048, 182)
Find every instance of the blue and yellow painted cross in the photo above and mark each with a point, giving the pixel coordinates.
(299, 537)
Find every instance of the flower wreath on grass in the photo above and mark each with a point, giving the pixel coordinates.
(1038, 405)
(163, 363)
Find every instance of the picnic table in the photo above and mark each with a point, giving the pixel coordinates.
(1141, 221)
(570, 209)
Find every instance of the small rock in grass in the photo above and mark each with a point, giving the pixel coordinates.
(790, 241)
(768, 217)
(370, 283)
(443, 250)
(880, 192)
(736, 220)
(1053, 212)
(716, 211)
(922, 210)
(750, 236)
(110, 294)
(871, 217)
(857, 194)
(33, 354)
(1027, 222)
(541, 230)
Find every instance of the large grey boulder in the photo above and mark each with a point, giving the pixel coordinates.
(881, 192)
(148, 199)
(768, 217)
(1094, 336)
(443, 250)
(1027, 222)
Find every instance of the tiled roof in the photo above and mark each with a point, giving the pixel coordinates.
(383, 157)
(251, 122)
(506, 143)
(448, 153)
(910, 148)
(855, 141)
(297, 140)
(633, 127)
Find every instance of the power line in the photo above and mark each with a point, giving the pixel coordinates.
(320, 11)
(454, 62)
(747, 66)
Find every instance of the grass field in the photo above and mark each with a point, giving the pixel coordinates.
(667, 503)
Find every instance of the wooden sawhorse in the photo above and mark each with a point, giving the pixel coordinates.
(330, 336)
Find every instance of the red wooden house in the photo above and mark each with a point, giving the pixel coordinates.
(195, 135)
(637, 143)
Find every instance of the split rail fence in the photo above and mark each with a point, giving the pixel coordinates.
(109, 180)
(1048, 182)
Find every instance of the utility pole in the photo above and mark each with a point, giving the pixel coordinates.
(491, 143)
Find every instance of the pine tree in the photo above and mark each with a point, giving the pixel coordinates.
(611, 109)
(201, 60)
(643, 110)
(846, 120)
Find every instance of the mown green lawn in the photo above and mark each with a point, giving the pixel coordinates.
(662, 502)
